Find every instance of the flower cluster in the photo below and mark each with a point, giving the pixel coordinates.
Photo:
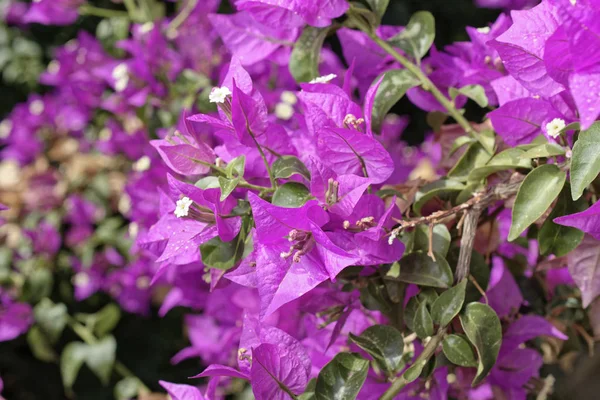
(257, 175)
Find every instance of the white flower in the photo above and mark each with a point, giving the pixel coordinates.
(289, 97)
(324, 79)
(484, 30)
(183, 207)
(36, 107)
(121, 76)
(80, 279)
(5, 128)
(284, 111)
(573, 2)
(143, 164)
(147, 27)
(219, 94)
(555, 126)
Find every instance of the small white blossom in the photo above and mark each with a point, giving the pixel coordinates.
(80, 279)
(53, 67)
(219, 94)
(183, 207)
(573, 2)
(5, 128)
(143, 164)
(147, 27)
(36, 107)
(284, 111)
(121, 76)
(484, 30)
(555, 126)
(324, 79)
(289, 97)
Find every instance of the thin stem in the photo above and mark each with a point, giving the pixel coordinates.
(131, 9)
(182, 16)
(423, 358)
(88, 337)
(264, 157)
(87, 9)
(427, 84)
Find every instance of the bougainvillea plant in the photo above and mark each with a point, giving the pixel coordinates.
(234, 165)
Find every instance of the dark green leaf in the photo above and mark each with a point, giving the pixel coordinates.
(418, 36)
(286, 166)
(40, 345)
(440, 239)
(71, 360)
(225, 255)
(384, 343)
(309, 392)
(536, 194)
(459, 351)
(585, 163)
(473, 92)
(410, 311)
(420, 269)
(508, 159)
(444, 188)
(342, 377)
(474, 157)
(482, 326)
(51, 318)
(423, 324)
(227, 186)
(392, 88)
(427, 295)
(448, 305)
(414, 371)
(559, 239)
(291, 195)
(304, 61)
(373, 297)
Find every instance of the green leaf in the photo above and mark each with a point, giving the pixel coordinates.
(544, 151)
(460, 142)
(40, 345)
(444, 188)
(127, 388)
(423, 324)
(51, 318)
(428, 296)
(410, 311)
(448, 305)
(459, 351)
(304, 61)
(373, 297)
(208, 182)
(379, 6)
(100, 357)
(536, 194)
(418, 36)
(236, 167)
(393, 87)
(440, 239)
(342, 377)
(482, 326)
(309, 392)
(291, 195)
(286, 166)
(420, 269)
(474, 157)
(71, 360)
(106, 319)
(225, 255)
(585, 163)
(508, 159)
(414, 371)
(227, 186)
(559, 239)
(384, 343)
(473, 92)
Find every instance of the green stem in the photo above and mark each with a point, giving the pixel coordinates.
(87, 9)
(88, 337)
(427, 84)
(262, 154)
(243, 183)
(132, 9)
(423, 358)
(182, 16)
